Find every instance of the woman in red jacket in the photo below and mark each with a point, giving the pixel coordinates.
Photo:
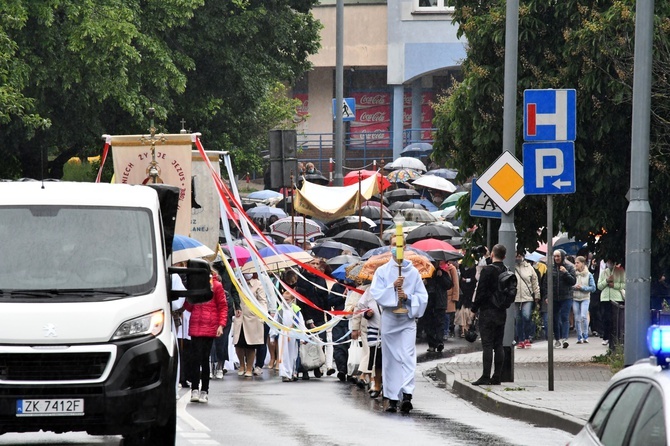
(207, 322)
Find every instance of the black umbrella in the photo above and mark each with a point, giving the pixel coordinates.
(359, 238)
(401, 195)
(431, 230)
(317, 178)
(375, 213)
(447, 174)
(378, 199)
(440, 254)
(405, 205)
(350, 222)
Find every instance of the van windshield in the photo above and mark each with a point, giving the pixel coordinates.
(78, 249)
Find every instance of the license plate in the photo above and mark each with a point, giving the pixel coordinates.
(50, 407)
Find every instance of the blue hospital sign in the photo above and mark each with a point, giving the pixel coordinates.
(550, 115)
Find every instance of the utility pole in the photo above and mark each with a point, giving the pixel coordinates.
(338, 180)
(638, 214)
(507, 231)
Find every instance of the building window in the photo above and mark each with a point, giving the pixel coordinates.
(432, 6)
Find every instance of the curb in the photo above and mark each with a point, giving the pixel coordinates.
(493, 403)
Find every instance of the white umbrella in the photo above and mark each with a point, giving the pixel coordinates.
(296, 227)
(406, 162)
(185, 248)
(435, 182)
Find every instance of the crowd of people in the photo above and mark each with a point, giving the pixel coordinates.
(375, 346)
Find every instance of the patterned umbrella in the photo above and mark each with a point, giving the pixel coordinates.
(425, 267)
(403, 175)
(296, 227)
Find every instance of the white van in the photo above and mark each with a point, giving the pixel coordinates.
(85, 327)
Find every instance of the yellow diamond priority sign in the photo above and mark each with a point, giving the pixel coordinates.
(503, 182)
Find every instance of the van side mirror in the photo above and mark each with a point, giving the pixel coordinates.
(198, 285)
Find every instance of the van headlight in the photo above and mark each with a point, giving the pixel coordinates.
(151, 323)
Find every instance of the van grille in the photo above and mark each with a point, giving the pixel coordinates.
(52, 366)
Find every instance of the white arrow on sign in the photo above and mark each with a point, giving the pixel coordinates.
(558, 184)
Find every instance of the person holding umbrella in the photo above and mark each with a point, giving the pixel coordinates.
(399, 284)
(437, 287)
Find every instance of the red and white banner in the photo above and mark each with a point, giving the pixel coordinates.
(427, 113)
(170, 163)
(373, 119)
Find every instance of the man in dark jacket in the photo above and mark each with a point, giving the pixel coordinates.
(491, 318)
(433, 319)
(563, 277)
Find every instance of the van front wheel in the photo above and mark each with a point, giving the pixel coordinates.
(165, 434)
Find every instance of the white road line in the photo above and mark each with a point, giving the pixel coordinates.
(186, 417)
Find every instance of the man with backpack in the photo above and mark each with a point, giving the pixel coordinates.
(496, 291)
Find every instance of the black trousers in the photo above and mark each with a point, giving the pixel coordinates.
(199, 370)
(262, 350)
(434, 326)
(340, 351)
(492, 331)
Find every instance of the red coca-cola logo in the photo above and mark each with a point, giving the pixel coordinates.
(378, 99)
(373, 117)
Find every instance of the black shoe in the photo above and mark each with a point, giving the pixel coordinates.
(495, 382)
(375, 393)
(352, 379)
(440, 347)
(317, 373)
(341, 376)
(481, 382)
(305, 376)
(406, 406)
(330, 372)
(393, 406)
(361, 383)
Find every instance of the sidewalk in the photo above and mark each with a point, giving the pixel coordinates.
(578, 384)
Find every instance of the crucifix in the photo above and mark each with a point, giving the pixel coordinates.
(153, 170)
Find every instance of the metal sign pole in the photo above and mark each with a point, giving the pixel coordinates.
(550, 291)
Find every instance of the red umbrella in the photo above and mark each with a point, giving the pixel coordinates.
(352, 178)
(433, 244)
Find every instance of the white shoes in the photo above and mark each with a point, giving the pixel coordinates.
(203, 397)
(195, 396)
(219, 374)
(257, 371)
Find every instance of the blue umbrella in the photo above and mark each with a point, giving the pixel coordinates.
(340, 273)
(447, 174)
(417, 149)
(430, 207)
(281, 249)
(185, 248)
(264, 195)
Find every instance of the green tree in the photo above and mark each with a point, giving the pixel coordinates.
(78, 69)
(579, 44)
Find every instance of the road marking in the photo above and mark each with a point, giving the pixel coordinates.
(188, 418)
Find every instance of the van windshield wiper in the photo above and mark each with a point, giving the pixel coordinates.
(55, 292)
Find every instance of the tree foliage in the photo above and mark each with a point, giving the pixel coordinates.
(73, 70)
(583, 44)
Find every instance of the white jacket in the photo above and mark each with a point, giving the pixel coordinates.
(528, 287)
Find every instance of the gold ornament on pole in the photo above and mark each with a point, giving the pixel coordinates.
(399, 219)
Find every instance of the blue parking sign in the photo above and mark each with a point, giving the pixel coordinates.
(549, 168)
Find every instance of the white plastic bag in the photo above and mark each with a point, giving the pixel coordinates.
(312, 356)
(355, 354)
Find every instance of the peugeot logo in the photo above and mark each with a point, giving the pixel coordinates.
(50, 331)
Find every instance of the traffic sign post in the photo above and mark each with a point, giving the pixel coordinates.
(481, 205)
(550, 121)
(348, 109)
(549, 168)
(503, 182)
(549, 115)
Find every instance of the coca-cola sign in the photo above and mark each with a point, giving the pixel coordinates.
(378, 116)
(374, 99)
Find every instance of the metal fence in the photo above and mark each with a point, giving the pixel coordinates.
(360, 149)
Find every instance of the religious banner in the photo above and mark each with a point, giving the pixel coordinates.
(204, 201)
(163, 158)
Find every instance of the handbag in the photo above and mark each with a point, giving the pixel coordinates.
(354, 359)
(312, 356)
